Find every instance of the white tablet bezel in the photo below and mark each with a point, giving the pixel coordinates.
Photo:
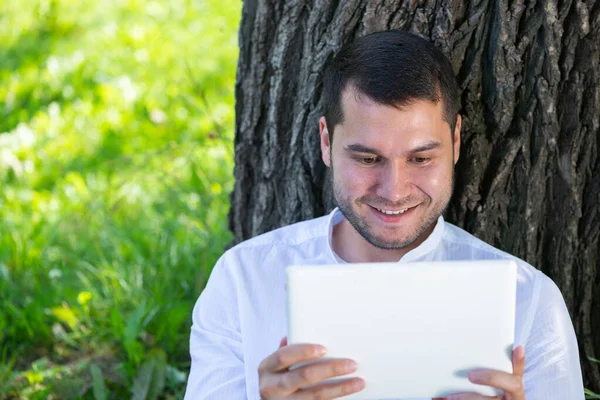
(415, 329)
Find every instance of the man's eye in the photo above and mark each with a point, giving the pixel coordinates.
(420, 160)
(368, 160)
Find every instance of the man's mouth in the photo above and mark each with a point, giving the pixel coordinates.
(392, 212)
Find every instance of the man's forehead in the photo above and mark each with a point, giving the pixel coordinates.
(380, 127)
(352, 95)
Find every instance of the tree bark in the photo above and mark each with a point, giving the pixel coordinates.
(528, 179)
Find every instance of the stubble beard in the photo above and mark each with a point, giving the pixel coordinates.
(345, 204)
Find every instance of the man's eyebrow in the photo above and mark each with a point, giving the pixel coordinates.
(425, 147)
(359, 148)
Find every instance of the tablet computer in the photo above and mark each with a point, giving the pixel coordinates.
(415, 329)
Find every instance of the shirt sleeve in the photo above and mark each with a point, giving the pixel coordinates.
(217, 370)
(552, 368)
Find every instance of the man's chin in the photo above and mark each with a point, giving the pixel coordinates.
(387, 244)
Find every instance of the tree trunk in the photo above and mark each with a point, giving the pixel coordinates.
(528, 179)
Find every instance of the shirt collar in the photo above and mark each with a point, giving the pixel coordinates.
(428, 245)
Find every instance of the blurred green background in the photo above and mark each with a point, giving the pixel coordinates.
(116, 159)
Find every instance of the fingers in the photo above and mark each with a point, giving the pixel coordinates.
(510, 383)
(331, 390)
(518, 359)
(291, 382)
(471, 396)
(288, 355)
(275, 380)
(315, 373)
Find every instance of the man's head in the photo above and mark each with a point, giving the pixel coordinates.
(392, 99)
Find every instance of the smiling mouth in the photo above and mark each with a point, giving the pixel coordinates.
(390, 212)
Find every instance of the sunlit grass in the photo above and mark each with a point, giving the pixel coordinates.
(115, 165)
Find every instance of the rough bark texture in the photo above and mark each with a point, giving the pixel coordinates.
(528, 179)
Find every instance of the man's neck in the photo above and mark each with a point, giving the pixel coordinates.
(351, 247)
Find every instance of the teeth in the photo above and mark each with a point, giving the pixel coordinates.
(392, 212)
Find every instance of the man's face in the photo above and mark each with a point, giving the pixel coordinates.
(392, 168)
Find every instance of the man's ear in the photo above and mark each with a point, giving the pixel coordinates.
(456, 143)
(325, 142)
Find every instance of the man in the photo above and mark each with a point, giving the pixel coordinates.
(391, 137)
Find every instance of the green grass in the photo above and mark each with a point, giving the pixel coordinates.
(116, 124)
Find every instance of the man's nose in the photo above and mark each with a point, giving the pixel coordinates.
(393, 182)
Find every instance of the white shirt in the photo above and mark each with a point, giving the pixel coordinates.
(240, 317)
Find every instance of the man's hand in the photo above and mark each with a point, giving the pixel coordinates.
(511, 384)
(277, 382)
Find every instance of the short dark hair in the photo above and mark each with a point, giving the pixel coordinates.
(391, 68)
